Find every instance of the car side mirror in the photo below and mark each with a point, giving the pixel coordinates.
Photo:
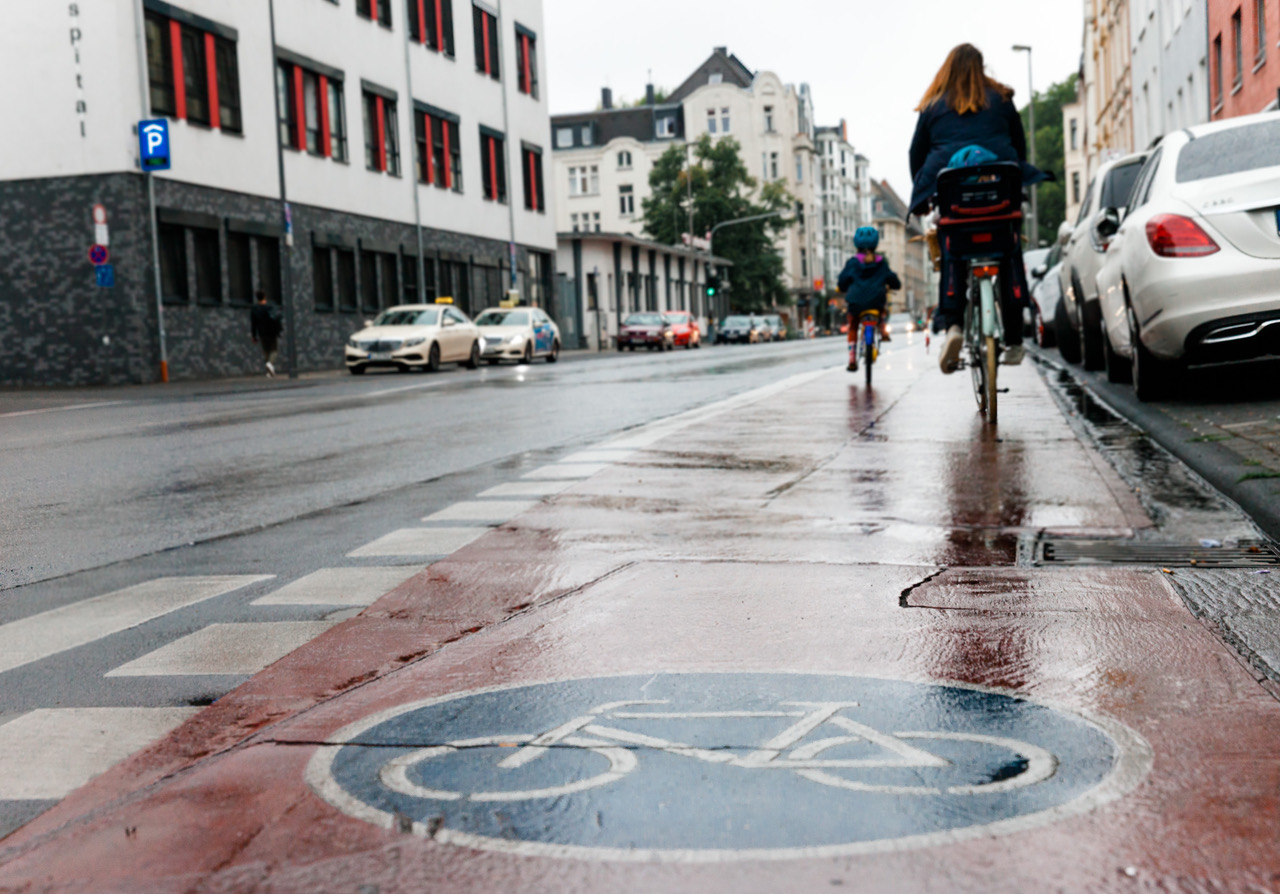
(448, 321)
(1064, 232)
(1039, 272)
(368, 323)
(1107, 223)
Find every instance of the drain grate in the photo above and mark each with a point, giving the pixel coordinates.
(1248, 554)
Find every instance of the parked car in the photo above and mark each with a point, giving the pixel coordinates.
(740, 328)
(1192, 276)
(1077, 319)
(1046, 295)
(646, 330)
(777, 329)
(519, 334)
(685, 331)
(410, 336)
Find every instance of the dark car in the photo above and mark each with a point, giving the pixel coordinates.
(646, 330)
(741, 328)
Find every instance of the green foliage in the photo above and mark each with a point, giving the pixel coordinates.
(1051, 197)
(722, 190)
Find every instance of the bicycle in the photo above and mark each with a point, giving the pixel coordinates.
(1024, 764)
(981, 223)
(864, 341)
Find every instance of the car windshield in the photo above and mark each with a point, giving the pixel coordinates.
(503, 317)
(643, 320)
(1119, 184)
(737, 321)
(676, 318)
(1230, 152)
(408, 318)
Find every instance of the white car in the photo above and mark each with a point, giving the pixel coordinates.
(519, 334)
(1046, 295)
(412, 336)
(1076, 320)
(1192, 276)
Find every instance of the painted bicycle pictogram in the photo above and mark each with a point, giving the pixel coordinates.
(793, 748)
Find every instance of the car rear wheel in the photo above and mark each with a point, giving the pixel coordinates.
(433, 359)
(1045, 332)
(1091, 336)
(1117, 367)
(1068, 341)
(356, 370)
(528, 354)
(555, 352)
(1153, 378)
(473, 362)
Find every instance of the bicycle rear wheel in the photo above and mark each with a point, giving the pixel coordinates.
(973, 349)
(869, 358)
(992, 366)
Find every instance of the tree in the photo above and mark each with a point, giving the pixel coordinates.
(1051, 197)
(722, 190)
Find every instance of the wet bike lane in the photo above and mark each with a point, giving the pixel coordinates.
(789, 647)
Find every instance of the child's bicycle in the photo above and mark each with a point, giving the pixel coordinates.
(864, 342)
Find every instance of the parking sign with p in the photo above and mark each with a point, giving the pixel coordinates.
(153, 144)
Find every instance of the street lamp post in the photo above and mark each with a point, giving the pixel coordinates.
(1031, 104)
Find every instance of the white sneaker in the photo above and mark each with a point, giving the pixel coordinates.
(1013, 355)
(949, 356)
(271, 370)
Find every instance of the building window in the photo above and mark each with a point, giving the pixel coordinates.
(337, 120)
(527, 61)
(627, 200)
(587, 139)
(485, 25)
(493, 165)
(768, 119)
(239, 270)
(799, 169)
(531, 165)
(711, 120)
(390, 281)
(624, 160)
(192, 74)
(1217, 71)
(804, 263)
(173, 264)
(268, 249)
(573, 220)
(381, 134)
(431, 24)
(322, 274)
(287, 103)
(666, 127)
(311, 104)
(346, 280)
(1075, 187)
(595, 219)
(1075, 134)
(800, 215)
(584, 181)
(208, 266)
(724, 120)
(1260, 16)
(1237, 48)
(368, 281)
(773, 166)
(564, 137)
(439, 150)
(375, 10)
(312, 117)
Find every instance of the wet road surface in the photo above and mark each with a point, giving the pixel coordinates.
(801, 638)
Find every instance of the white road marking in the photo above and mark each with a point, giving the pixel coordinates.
(341, 586)
(92, 406)
(240, 649)
(599, 455)
(482, 510)
(529, 489)
(566, 471)
(53, 751)
(48, 633)
(419, 542)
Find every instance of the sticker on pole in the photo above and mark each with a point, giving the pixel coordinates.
(713, 767)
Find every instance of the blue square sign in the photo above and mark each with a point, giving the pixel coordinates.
(153, 144)
(106, 274)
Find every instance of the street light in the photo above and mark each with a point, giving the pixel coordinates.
(1031, 104)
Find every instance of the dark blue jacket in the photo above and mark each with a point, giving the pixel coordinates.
(941, 132)
(866, 286)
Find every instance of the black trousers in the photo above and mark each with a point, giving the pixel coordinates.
(952, 297)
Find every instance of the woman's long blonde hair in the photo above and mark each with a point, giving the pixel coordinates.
(963, 82)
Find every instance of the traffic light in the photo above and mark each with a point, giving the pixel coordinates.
(713, 285)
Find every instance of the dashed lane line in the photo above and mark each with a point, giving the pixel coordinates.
(43, 410)
(48, 633)
(529, 488)
(225, 649)
(353, 587)
(490, 511)
(565, 471)
(423, 542)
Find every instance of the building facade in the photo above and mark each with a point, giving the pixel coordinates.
(602, 159)
(842, 180)
(407, 139)
(902, 243)
(1184, 66)
(1244, 71)
(1075, 164)
(1107, 90)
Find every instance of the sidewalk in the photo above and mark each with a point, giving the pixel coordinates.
(801, 652)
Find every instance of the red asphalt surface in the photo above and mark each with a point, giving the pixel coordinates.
(817, 529)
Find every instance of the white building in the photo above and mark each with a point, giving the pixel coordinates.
(603, 158)
(1170, 67)
(388, 125)
(1074, 156)
(845, 193)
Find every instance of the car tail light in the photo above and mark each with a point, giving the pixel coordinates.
(1175, 236)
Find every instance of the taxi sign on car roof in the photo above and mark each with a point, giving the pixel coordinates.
(444, 301)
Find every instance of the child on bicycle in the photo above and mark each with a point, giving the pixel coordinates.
(865, 281)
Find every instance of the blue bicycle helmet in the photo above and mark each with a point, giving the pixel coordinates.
(866, 239)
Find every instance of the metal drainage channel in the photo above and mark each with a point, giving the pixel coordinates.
(1247, 554)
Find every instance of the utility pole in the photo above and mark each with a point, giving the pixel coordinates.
(1031, 149)
(506, 130)
(413, 178)
(286, 268)
(140, 34)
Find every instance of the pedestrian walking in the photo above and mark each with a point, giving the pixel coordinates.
(265, 326)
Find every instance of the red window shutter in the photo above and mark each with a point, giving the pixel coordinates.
(533, 180)
(422, 21)
(528, 81)
(300, 111)
(448, 157)
(488, 62)
(493, 168)
(325, 148)
(430, 150)
(211, 78)
(380, 144)
(179, 76)
(439, 5)
(373, 10)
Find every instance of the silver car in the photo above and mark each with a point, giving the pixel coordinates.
(1076, 322)
(1192, 276)
(1046, 295)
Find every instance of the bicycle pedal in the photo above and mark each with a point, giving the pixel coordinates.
(1002, 390)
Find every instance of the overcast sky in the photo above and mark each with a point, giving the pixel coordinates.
(868, 61)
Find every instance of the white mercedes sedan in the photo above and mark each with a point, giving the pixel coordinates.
(519, 334)
(1192, 276)
(415, 336)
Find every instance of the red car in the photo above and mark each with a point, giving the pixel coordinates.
(684, 328)
(645, 330)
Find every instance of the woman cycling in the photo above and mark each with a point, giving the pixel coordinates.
(962, 108)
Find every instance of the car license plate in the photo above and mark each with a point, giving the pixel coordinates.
(379, 356)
